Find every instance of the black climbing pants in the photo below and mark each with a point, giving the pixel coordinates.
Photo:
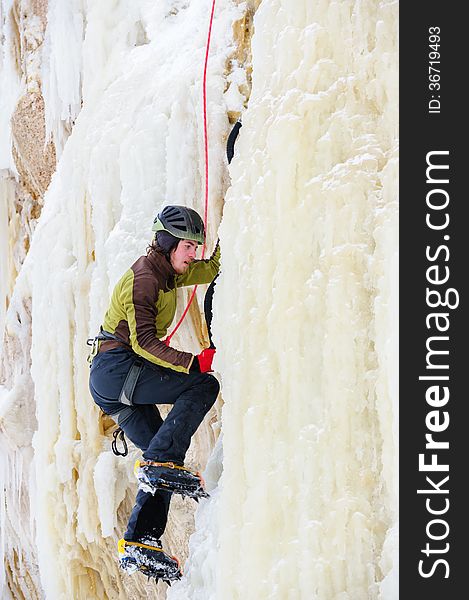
(192, 395)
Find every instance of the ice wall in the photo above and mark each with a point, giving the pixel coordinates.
(306, 318)
(303, 492)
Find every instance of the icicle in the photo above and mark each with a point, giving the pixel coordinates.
(62, 68)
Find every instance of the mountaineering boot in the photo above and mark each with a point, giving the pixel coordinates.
(170, 477)
(148, 558)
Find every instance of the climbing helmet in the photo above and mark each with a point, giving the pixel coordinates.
(181, 222)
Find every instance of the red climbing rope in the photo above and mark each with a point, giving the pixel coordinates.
(204, 88)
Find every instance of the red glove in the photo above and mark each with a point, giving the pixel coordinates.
(205, 359)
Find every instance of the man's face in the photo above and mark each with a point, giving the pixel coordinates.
(182, 256)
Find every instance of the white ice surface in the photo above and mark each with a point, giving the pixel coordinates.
(304, 492)
(62, 69)
(305, 319)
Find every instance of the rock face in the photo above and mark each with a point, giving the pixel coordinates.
(34, 159)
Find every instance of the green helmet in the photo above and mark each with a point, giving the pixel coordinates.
(181, 222)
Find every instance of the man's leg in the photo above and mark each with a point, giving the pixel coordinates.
(192, 396)
(150, 513)
(149, 516)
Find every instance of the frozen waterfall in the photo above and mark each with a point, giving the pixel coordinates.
(302, 446)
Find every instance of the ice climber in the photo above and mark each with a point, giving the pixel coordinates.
(134, 370)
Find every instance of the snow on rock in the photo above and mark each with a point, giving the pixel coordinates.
(303, 478)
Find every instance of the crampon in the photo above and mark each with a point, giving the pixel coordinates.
(150, 560)
(170, 477)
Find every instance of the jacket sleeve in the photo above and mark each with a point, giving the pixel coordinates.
(139, 298)
(201, 271)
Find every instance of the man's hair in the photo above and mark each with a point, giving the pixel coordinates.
(163, 243)
(153, 247)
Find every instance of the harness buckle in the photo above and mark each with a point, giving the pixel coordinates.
(94, 343)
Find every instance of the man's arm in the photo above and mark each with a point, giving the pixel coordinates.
(201, 271)
(139, 299)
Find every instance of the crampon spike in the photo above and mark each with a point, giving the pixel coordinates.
(170, 477)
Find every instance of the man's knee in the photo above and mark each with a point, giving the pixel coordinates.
(213, 388)
(205, 391)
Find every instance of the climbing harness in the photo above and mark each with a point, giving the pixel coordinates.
(103, 336)
(127, 391)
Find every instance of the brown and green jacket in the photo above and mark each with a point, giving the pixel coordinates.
(143, 305)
